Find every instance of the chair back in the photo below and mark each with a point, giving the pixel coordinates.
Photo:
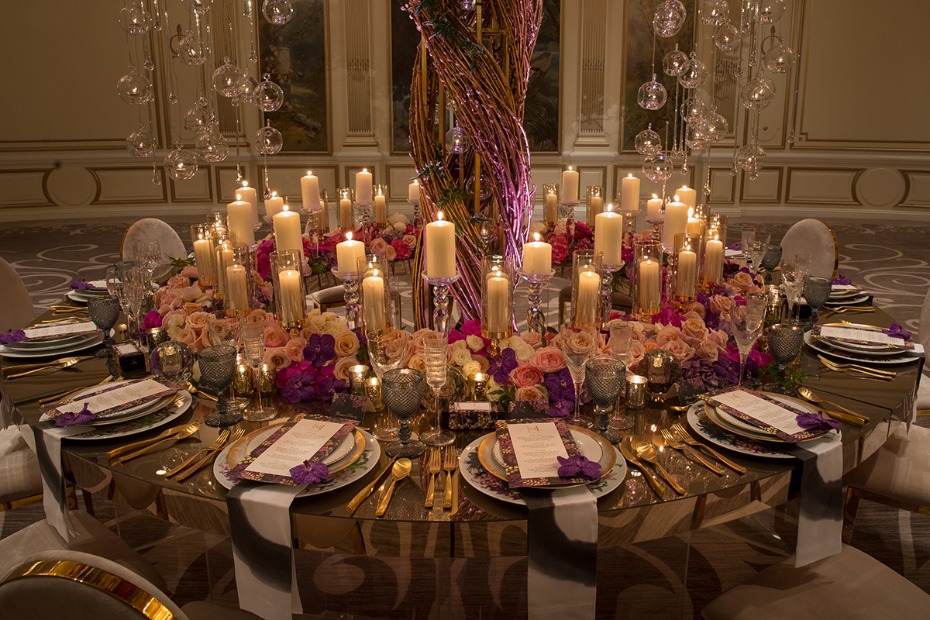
(68, 585)
(151, 228)
(923, 328)
(815, 239)
(16, 311)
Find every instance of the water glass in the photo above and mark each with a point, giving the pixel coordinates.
(402, 392)
(104, 312)
(434, 352)
(217, 371)
(604, 377)
(817, 291)
(252, 339)
(747, 324)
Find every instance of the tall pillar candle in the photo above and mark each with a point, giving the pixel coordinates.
(249, 195)
(440, 248)
(224, 258)
(551, 209)
(629, 193)
(413, 192)
(587, 298)
(595, 206)
(287, 231)
(687, 272)
(654, 208)
(203, 256)
(608, 236)
(713, 260)
(373, 303)
(347, 254)
(569, 186)
(649, 284)
(363, 187)
(676, 222)
(273, 205)
(346, 215)
(291, 306)
(239, 222)
(537, 257)
(499, 303)
(687, 195)
(381, 211)
(310, 191)
(237, 289)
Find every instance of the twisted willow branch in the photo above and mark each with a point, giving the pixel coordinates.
(489, 103)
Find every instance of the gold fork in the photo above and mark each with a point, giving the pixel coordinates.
(54, 367)
(193, 469)
(674, 442)
(186, 432)
(876, 373)
(842, 309)
(218, 443)
(434, 467)
(682, 433)
(450, 464)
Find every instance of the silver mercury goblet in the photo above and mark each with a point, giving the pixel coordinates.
(104, 312)
(402, 392)
(217, 371)
(785, 342)
(817, 291)
(604, 379)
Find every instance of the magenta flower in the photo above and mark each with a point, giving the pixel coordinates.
(578, 466)
(71, 419)
(310, 472)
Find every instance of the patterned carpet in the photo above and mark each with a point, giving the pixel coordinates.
(669, 578)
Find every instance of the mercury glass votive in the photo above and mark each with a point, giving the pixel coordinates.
(357, 376)
(636, 391)
(478, 386)
(496, 297)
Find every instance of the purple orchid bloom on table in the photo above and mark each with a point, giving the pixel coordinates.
(561, 393)
(896, 331)
(81, 285)
(735, 246)
(320, 349)
(816, 422)
(13, 336)
(841, 279)
(83, 416)
(310, 472)
(502, 365)
(578, 465)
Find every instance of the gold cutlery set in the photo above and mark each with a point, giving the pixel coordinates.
(26, 370)
(437, 461)
(858, 370)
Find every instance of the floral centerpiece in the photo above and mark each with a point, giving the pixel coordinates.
(565, 241)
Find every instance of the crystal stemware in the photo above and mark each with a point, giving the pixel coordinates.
(747, 324)
(793, 273)
(387, 350)
(757, 248)
(217, 371)
(131, 294)
(604, 376)
(770, 260)
(104, 312)
(578, 344)
(252, 338)
(402, 391)
(434, 352)
(621, 339)
(148, 256)
(785, 343)
(817, 292)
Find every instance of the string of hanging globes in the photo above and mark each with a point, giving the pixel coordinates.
(194, 47)
(697, 124)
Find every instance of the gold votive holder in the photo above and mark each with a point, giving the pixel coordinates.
(242, 382)
(660, 372)
(636, 391)
(266, 379)
(357, 376)
(478, 386)
(373, 391)
(155, 336)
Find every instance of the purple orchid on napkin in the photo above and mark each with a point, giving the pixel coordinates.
(13, 336)
(735, 246)
(575, 466)
(83, 416)
(310, 472)
(841, 279)
(896, 331)
(81, 285)
(816, 422)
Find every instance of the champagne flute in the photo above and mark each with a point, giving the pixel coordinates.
(434, 346)
(148, 256)
(793, 273)
(252, 338)
(747, 324)
(578, 344)
(131, 296)
(758, 246)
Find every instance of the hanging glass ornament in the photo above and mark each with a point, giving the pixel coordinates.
(750, 158)
(191, 50)
(211, 145)
(693, 108)
(778, 58)
(727, 37)
(669, 18)
(694, 73)
(134, 19)
(657, 168)
(648, 142)
(181, 164)
(651, 95)
(196, 118)
(201, 6)
(714, 12)
(456, 141)
(698, 134)
(268, 140)
(770, 11)
(227, 79)
(267, 95)
(140, 143)
(758, 92)
(674, 62)
(134, 88)
(717, 126)
(277, 12)
(247, 90)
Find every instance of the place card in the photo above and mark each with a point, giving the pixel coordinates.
(765, 413)
(856, 335)
(110, 398)
(310, 438)
(530, 448)
(60, 330)
(349, 406)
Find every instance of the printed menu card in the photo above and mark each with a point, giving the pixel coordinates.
(764, 412)
(530, 448)
(310, 438)
(60, 330)
(113, 398)
(858, 335)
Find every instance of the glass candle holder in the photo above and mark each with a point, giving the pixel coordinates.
(344, 208)
(239, 286)
(718, 222)
(594, 202)
(478, 384)
(202, 238)
(551, 204)
(586, 288)
(660, 370)
(289, 292)
(357, 375)
(713, 257)
(497, 286)
(222, 258)
(636, 391)
(647, 279)
(381, 203)
(375, 292)
(217, 224)
(686, 265)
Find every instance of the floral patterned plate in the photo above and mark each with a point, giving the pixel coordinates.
(138, 425)
(71, 348)
(717, 436)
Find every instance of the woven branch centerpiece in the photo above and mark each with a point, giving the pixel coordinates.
(476, 57)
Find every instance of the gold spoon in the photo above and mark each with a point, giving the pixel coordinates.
(648, 452)
(399, 471)
(843, 415)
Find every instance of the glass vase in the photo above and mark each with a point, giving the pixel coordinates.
(647, 279)
(203, 241)
(586, 288)
(289, 292)
(375, 292)
(239, 286)
(497, 286)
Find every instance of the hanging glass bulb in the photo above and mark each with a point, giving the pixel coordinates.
(693, 108)
(778, 58)
(651, 95)
(277, 12)
(727, 37)
(750, 158)
(770, 11)
(456, 141)
(140, 143)
(694, 73)
(657, 168)
(211, 145)
(190, 48)
(758, 92)
(201, 6)
(227, 79)
(268, 140)
(717, 125)
(467, 5)
(698, 134)
(196, 118)
(267, 95)
(134, 19)
(181, 164)
(247, 90)
(648, 142)
(669, 18)
(674, 62)
(714, 12)
(134, 88)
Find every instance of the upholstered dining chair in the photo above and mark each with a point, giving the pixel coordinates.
(149, 229)
(815, 239)
(16, 311)
(848, 585)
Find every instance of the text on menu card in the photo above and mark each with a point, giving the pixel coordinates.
(536, 446)
(67, 329)
(860, 335)
(139, 391)
(299, 443)
(765, 411)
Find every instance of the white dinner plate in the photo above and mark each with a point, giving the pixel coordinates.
(52, 345)
(851, 356)
(740, 427)
(848, 301)
(588, 446)
(30, 354)
(868, 351)
(126, 414)
(138, 425)
(73, 296)
(717, 436)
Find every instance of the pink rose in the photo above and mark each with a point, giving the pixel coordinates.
(696, 307)
(531, 392)
(390, 253)
(707, 350)
(744, 283)
(680, 349)
(548, 359)
(188, 336)
(275, 336)
(667, 334)
(191, 293)
(294, 349)
(637, 352)
(418, 337)
(693, 331)
(525, 375)
(341, 369)
(417, 362)
(534, 339)
(719, 337)
(410, 240)
(189, 271)
(276, 358)
(197, 319)
(259, 316)
(346, 344)
(378, 246)
(720, 304)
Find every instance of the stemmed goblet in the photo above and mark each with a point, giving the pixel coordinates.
(252, 338)
(621, 339)
(148, 257)
(747, 326)
(785, 343)
(402, 391)
(131, 294)
(793, 273)
(434, 346)
(604, 376)
(104, 312)
(770, 261)
(217, 371)
(817, 291)
(757, 248)
(387, 350)
(578, 345)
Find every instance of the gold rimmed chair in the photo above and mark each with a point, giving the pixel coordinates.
(815, 239)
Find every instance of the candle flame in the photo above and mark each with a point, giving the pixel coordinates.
(536, 237)
(654, 197)
(375, 274)
(416, 182)
(245, 183)
(239, 197)
(609, 208)
(716, 237)
(349, 236)
(676, 198)
(439, 215)
(629, 176)
(309, 173)
(274, 194)
(364, 169)
(569, 168)
(286, 208)
(690, 212)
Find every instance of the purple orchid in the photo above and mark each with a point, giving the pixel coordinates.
(83, 416)
(816, 422)
(578, 466)
(841, 279)
(501, 366)
(320, 349)
(896, 331)
(81, 285)
(310, 472)
(13, 336)
(668, 315)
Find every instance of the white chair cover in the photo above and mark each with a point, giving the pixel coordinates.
(152, 228)
(16, 311)
(19, 468)
(815, 239)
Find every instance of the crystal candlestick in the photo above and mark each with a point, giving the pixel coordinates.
(350, 282)
(607, 288)
(535, 318)
(441, 300)
(567, 211)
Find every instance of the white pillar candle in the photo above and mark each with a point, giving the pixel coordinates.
(695, 227)
(203, 256)
(347, 254)
(291, 303)
(551, 209)
(413, 192)
(440, 248)
(373, 302)
(381, 211)
(310, 191)
(608, 236)
(537, 257)
(237, 288)
(224, 260)
(570, 186)
(713, 261)
(595, 206)
(649, 284)
(274, 205)
(654, 208)
(346, 215)
(287, 231)
(587, 298)
(249, 195)
(239, 222)
(687, 195)
(363, 187)
(629, 193)
(499, 304)
(676, 221)
(687, 273)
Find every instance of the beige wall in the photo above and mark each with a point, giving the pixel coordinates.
(857, 102)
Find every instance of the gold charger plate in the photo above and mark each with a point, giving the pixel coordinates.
(239, 450)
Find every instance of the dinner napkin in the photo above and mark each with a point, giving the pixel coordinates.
(263, 554)
(562, 546)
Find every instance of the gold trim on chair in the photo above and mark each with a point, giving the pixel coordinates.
(101, 580)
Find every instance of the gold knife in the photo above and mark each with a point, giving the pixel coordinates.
(657, 485)
(365, 493)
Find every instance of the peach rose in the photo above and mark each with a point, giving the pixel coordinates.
(259, 316)
(475, 343)
(418, 337)
(294, 349)
(525, 375)
(680, 349)
(637, 352)
(534, 339)
(707, 350)
(189, 307)
(719, 337)
(275, 336)
(346, 344)
(650, 344)
(189, 271)
(178, 281)
(548, 359)
(410, 241)
(197, 319)
(206, 339)
(390, 253)
(667, 334)
(191, 293)
(188, 336)
(531, 392)
(378, 246)
(482, 361)
(720, 304)
(743, 282)
(696, 307)
(417, 362)
(341, 369)
(693, 331)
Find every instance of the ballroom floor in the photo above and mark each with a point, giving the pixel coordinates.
(668, 578)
